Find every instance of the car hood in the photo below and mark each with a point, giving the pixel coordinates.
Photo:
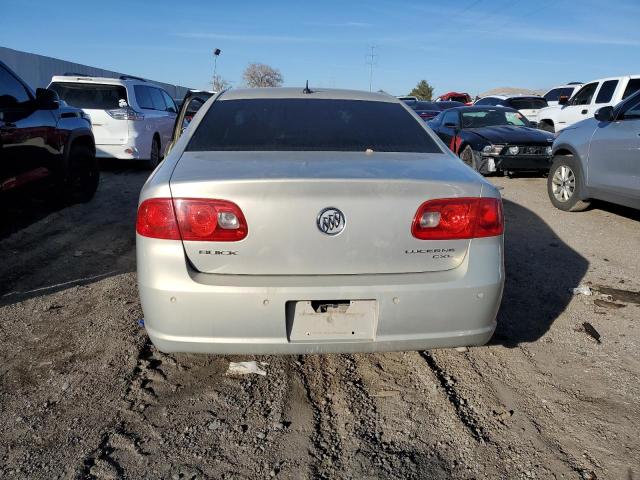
(513, 135)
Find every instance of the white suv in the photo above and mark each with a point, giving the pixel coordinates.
(584, 103)
(132, 119)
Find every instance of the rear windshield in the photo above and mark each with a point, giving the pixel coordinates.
(310, 125)
(527, 103)
(555, 94)
(90, 95)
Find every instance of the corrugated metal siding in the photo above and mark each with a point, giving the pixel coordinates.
(37, 70)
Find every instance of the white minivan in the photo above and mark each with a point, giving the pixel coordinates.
(132, 119)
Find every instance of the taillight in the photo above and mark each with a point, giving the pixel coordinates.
(458, 218)
(126, 113)
(203, 220)
(156, 219)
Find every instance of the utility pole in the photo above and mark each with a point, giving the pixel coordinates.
(372, 60)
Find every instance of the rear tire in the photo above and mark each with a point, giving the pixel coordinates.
(82, 177)
(547, 127)
(565, 185)
(154, 156)
(467, 157)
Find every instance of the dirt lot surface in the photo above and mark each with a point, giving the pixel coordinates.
(85, 395)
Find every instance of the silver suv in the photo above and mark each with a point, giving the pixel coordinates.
(598, 158)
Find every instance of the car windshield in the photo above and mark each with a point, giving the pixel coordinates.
(528, 103)
(310, 125)
(90, 95)
(492, 118)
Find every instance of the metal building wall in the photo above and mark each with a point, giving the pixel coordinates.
(37, 70)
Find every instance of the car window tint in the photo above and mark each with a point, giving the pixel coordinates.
(90, 95)
(555, 94)
(632, 87)
(11, 90)
(142, 97)
(484, 101)
(606, 91)
(310, 125)
(170, 104)
(633, 112)
(527, 103)
(451, 117)
(156, 99)
(585, 94)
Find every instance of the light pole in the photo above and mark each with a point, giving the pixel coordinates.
(216, 54)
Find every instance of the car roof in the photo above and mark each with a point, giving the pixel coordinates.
(620, 77)
(101, 80)
(298, 92)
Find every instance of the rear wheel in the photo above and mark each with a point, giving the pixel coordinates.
(467, 157)
(565, 185)
(82, 177)
(154, 156)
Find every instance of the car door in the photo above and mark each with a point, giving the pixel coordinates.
(28, 148)
(579, 107)
(449, 128)
(614, 155)
(169, 120)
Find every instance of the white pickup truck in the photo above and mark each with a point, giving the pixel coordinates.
(584, 103)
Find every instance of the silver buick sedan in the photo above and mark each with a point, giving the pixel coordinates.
(297, 221)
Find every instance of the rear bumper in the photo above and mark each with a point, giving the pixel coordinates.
(186, 311)
(121, 152)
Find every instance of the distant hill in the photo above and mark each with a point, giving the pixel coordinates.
(511, 91)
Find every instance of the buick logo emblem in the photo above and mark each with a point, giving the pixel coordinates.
(331, 221)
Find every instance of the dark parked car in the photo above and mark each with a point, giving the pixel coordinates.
(494, 139)
(429, 110)
(44, 143)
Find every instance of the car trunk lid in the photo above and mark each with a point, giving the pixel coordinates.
(282, 194)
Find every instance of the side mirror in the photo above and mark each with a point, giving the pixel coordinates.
(451, 125)
(604, 114)
(46, 99)
(563, 100)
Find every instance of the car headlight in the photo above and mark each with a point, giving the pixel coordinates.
(514, 150)
(548, 150)
(492, 149)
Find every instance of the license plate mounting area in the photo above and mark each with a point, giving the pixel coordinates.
(331, 320)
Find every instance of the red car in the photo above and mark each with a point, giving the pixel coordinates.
(455, 97)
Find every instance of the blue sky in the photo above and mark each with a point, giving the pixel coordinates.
(468, 45)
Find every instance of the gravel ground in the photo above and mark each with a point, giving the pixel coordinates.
(83, 394)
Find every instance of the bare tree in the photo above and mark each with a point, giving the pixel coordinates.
(261, 75)
(218, 83)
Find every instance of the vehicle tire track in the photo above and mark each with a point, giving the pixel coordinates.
(326, 443)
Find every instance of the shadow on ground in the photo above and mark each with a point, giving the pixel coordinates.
(55, 249)
(541, 271)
